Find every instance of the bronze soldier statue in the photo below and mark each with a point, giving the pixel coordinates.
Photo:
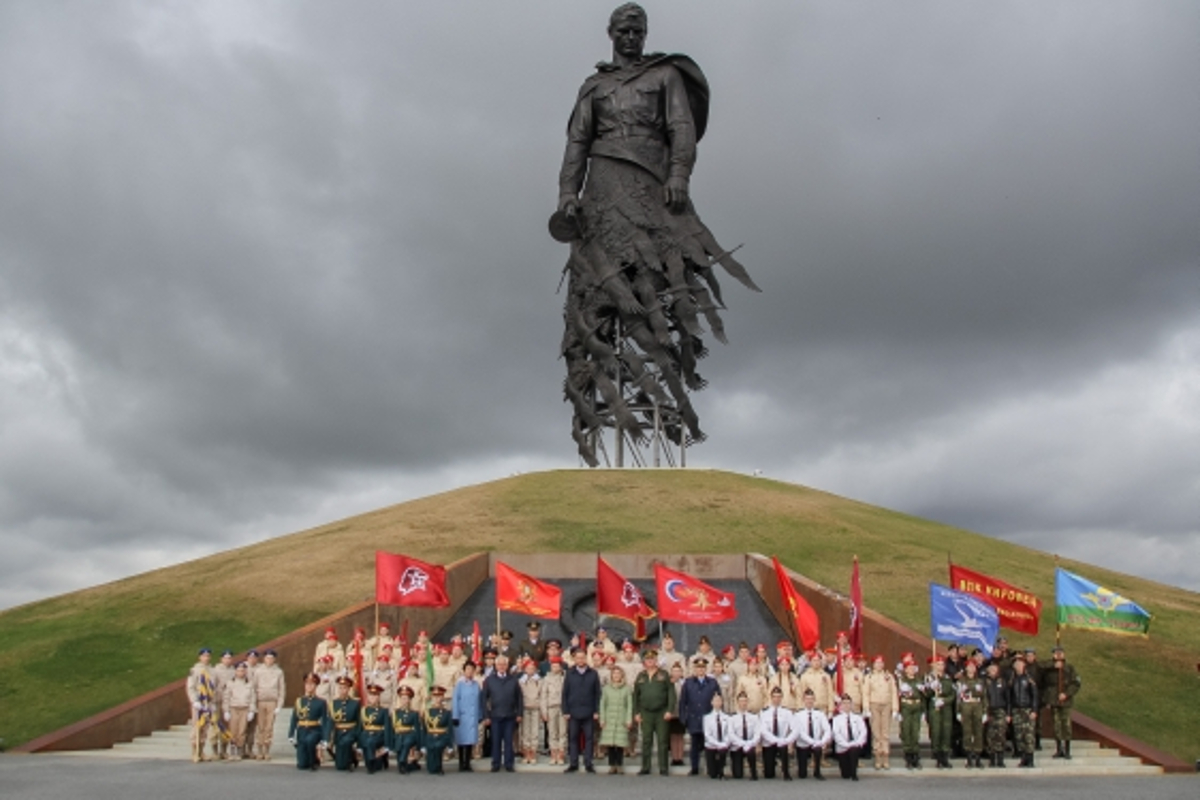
(641, 264)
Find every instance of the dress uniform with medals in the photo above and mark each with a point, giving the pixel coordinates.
(310, 719)
(912, 708)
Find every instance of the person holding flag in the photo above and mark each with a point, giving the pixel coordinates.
(1059, 685)
(202, 694)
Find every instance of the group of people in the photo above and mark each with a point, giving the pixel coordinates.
(234, 705)
(378, 699)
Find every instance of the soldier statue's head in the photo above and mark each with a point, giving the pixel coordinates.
(627, 28)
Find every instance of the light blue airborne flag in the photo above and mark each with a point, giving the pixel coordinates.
(962, 618)
(1083, 604)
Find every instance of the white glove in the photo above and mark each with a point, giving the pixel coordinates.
(228, 716)
(292, 741)
(422, 751)
(985, 717)
(866, 715)
(324, 745)
(939, 703)
(897, 716)
(958, 717)
(196, 705)
(250, 717)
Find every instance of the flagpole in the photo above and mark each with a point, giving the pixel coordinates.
(497, 621)
(1057, 623)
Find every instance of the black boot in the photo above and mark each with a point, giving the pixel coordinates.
(1067, 750)
(1000, 761)
(1058, 748)
(946, 760)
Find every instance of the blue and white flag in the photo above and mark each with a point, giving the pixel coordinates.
(962, 618)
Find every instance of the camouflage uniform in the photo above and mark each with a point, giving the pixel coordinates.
(995, 692)
(1023, 704)
(912, 706)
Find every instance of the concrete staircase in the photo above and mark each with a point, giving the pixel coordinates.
(1089, 758)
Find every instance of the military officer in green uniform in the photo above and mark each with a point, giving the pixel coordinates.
(1023, 706)
(310, 717)
(912, 707)
(404, 731)
(436, 733)
(342, 729)
(940, 695)
(971, 700)
(996, 713)
(374, 722)
(654, 699)
(1059, 685)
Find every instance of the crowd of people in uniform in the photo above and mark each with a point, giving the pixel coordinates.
(725, 712)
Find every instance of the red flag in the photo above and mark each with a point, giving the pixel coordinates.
(682, 598)
(404, 581)
(516, 591)
(1019, 610)
(856, 610)
(617, 597)
(476, 644)
(808, 627)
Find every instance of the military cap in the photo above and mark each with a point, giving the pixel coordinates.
(807, 692)
(534, 626)
(776, 690)
(271, 653)
(252, 653)
(628, 647)
(704, 639)
(385, 626)
(879, 657)
(741, 695)
(651, 653)
(407, 691)
(784, 660)
(240, 665)
(330, 632)
(344, 680)
(1058, 649)
(226, 653)
(1030, 650)
(205, 650)
(782, 643)
(728, 649)
(506, 635)
(1019, 657)
(554, 643)
(437, 691)
(700, 662)
(312, 677)
(935, 660)
(555, 659)
(667, 635)
(384, 657)
(374, 689)
(490, 652)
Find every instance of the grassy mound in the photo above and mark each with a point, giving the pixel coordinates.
(71, 656)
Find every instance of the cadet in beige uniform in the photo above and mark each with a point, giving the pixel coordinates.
(381, 639)
(668, 656)
(271, 693)
(252, 667)
(531, 717)
(784, 680)
(415, 683)
(852, 681)
(223, 672)
(445, 672)
(202, 694)
(239, 704)
(551, 708)
(329, 647)
(881, 699)
(383, 677)
(817, 679)
(740, 665)
(754, 685)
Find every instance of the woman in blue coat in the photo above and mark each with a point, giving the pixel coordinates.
(466, 708)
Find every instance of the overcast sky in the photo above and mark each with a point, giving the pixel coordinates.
(268, 264)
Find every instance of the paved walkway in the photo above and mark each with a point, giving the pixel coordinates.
(71, 777)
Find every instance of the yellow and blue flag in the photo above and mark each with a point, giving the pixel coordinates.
(1083, 604)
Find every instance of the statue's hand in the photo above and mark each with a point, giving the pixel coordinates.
(568, 204)
(675, 194)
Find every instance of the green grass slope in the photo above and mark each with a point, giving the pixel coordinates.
(65, 658)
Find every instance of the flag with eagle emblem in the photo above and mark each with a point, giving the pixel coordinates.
(682, 598)
(1083, 604)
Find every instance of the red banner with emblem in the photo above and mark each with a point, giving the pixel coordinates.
(682, 598)
(516, 591)
(1018, 609)
(404, 581)
(618, 597)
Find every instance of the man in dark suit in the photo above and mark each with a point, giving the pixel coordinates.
(502, 704)
(581, 707)
(695, 701)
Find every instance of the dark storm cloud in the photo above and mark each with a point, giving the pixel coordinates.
(265, 263)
